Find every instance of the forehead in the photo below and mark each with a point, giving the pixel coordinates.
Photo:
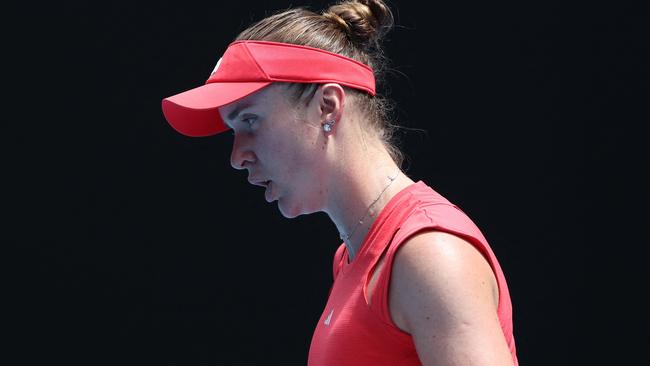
(267, 100)
(266, 97)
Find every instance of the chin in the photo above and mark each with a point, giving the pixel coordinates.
(291, 211)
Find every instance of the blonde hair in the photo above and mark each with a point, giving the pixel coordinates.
(352, 28)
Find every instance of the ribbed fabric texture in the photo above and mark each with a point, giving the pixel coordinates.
(351, 332)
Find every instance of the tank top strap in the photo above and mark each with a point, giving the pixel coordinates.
(379, 298)
(339, 256)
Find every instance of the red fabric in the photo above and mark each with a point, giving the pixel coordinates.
(249, 66)
(360, 334)
(194, 113)
(254, 61)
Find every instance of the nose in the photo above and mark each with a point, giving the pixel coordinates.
(241, 155)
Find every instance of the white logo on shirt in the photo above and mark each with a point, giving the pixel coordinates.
(216, 67)
(329, 317)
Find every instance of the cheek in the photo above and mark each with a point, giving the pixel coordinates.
(298, 149)
(295, 151)
(305, 158)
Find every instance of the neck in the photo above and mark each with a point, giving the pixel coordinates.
(359, 167)
(361, 192)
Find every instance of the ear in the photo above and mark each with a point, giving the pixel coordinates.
(331, 100)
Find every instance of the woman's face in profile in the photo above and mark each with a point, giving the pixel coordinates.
(280, 147)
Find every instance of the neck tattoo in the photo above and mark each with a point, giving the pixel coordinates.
(347, 237)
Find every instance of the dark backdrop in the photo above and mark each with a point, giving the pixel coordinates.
(132, 244)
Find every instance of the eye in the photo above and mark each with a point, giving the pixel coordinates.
(249, 120)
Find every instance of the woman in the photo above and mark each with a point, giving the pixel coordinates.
(415, 280)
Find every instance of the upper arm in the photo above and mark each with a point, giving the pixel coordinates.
(444, 293)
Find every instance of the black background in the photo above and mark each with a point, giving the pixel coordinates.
(132, 244)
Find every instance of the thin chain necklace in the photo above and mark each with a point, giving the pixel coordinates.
(346, 238)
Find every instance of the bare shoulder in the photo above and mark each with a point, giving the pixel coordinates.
(441, 262)
(444, 293)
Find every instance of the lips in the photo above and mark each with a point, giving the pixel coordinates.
(257, 182)
(268, 194)
(268, 184)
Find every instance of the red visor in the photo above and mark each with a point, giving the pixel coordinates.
(248, 66)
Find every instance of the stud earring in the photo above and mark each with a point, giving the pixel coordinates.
(327, 127)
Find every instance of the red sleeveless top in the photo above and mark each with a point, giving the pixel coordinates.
(351, 332)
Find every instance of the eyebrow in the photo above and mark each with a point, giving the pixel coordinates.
(232, 115)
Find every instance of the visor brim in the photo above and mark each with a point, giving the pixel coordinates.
(195, 112)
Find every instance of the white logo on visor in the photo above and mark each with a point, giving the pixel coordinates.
(216, 67)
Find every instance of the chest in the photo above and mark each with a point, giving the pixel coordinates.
(349, 331)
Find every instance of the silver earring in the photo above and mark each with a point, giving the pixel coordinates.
(327, 127)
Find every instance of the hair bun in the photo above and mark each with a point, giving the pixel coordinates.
(365, 21)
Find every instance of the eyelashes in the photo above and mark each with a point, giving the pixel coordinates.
(246, 123)
(250, 121)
